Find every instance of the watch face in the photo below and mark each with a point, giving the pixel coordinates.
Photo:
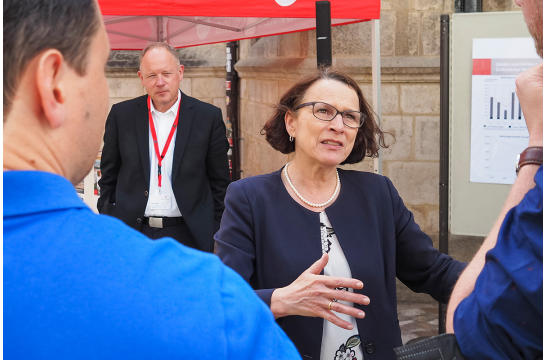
(517, 163)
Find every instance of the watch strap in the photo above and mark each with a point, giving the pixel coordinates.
(531, 155)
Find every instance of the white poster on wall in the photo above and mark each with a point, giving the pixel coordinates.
(498, 128)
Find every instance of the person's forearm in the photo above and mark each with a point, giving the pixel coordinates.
(466, 283)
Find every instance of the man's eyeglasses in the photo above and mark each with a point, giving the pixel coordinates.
(325, 112)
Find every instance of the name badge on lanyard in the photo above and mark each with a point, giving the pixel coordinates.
(162, 198)
(160, 202)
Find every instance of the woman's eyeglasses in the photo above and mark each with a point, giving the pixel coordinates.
(325, 112)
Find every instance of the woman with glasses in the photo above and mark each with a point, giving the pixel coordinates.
(323, 246)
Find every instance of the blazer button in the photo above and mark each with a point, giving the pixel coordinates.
(370, 348)
(139, 220)
(146, 193)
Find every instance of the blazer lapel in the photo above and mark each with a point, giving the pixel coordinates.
(353, 217)
(142, 133)
(185, 121)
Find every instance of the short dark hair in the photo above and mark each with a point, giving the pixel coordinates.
(368, 139)
(33, 26)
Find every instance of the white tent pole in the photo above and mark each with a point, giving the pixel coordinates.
(375, 44)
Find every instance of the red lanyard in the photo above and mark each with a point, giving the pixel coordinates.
(160, 156)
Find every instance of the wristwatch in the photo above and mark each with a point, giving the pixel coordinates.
(530, 155)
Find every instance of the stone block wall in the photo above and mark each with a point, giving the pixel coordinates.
(500, 5)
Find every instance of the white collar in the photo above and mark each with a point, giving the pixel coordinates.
(173, 109)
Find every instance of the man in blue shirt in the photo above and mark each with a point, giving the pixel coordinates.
(502, 318)
(496, 308)
(79, 285)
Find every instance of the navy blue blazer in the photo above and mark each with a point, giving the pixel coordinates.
(269, 239)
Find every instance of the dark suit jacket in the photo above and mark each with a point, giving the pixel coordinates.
(200, 169)
(269, 239)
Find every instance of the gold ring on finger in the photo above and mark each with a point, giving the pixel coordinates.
(329, 306)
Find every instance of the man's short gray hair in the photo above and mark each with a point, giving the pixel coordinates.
(160, 45)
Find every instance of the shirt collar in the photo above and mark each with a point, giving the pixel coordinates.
(173, 109)
(28, 192)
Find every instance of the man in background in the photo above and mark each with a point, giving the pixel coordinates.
(164, 162)
(79, 285)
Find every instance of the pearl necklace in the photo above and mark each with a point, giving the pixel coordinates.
(303, 199)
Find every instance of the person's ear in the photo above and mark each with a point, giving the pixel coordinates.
(181, 72)
(289, 120)
(141, 78)
(50, 82)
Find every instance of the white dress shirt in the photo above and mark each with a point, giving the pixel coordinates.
(163, 125)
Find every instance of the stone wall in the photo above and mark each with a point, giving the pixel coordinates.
(500, 5)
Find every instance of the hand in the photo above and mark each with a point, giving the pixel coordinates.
(311, 293)
(529, 88)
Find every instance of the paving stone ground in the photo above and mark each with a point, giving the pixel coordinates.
(416, 320)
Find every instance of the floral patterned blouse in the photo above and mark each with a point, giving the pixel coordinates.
(338, 343)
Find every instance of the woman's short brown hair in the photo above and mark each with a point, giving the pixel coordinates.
(368, 139)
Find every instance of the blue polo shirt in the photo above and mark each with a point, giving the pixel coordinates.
(84, 286)
(503, 317)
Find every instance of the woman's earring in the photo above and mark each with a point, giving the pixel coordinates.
(291, 139)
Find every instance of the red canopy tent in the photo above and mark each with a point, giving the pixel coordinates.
(132, 24)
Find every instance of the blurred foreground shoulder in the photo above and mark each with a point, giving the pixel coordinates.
(250, 327)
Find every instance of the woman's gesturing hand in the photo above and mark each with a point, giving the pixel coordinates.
(311, 294)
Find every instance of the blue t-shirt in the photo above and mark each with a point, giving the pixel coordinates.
(83, 286)
(503, 317)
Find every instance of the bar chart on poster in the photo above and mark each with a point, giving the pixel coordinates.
(498, 128)
(503, 106)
